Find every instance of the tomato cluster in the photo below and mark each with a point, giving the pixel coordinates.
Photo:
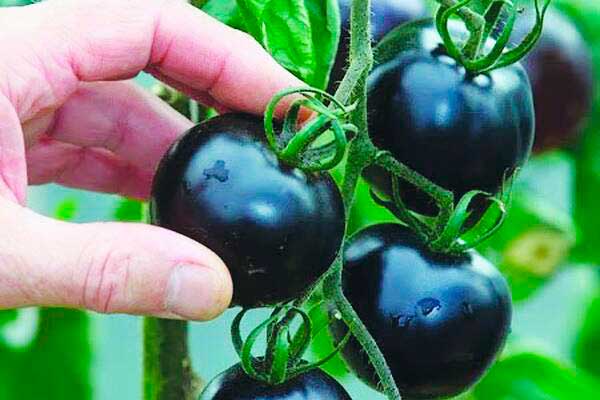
(439, 318)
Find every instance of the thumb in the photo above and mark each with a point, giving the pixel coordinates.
(107, 267)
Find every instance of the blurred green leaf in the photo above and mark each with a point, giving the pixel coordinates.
(129, 210)
(226, 11)
(587, 345)
(539, 231)
(56, 364)
(11, 3)
(586, 16)
(7, 316)
(66, 210)
(529, 376)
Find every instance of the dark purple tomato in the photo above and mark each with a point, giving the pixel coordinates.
(463, 132)
(439, 320)
(234, 384)
(276, 227)
(561, 74)
(385, 16)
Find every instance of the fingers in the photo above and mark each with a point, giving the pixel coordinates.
(13, 173)
(170, 38)
(121, 117)
(86, 168)
(107, 267)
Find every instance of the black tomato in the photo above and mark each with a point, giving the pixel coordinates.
(385, 16)
(561, 74)
(463, 132)
(234, 384)
(277, 228)
(439, 320)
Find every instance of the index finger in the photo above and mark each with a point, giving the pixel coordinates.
(112, 39)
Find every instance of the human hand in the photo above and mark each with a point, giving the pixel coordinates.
(67, 116)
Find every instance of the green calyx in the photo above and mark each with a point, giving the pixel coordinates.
(285, 349)
(497, 22)
(458, 226)
(319, 144)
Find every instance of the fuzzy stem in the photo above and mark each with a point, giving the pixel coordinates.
(168, 371)
(361, 153)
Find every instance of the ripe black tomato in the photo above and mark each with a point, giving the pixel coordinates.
(439, 320)
(276, 227)
(385, 16)
(234, 384)
(561, 74)
(463, 132)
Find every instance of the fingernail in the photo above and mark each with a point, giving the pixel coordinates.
(195, 292)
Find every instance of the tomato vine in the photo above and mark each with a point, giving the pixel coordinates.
(344, 116)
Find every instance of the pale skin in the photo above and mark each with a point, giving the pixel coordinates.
(68, 115)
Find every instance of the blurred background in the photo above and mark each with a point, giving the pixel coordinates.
(549, 249)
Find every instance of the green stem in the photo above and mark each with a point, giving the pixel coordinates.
(361, 153)
(360, 332)
(168, 371)
(473, 21)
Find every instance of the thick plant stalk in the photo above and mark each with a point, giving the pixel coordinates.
(168, 373)
(361, 153)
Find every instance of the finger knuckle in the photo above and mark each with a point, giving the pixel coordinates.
(107, 279)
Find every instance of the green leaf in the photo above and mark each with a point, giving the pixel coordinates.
(66, 210)
(226, 11)
(325, 28)
(7, 316)
(56, 365)
(252, 14)
(529, 376)
(587, 346)
(288, 36)
(302, 35)
(130, 210)
(539, 231)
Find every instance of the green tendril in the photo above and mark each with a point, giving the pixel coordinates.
(500, 17)
(283, 357)
(301, 147)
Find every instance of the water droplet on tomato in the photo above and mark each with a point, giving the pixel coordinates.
(429, 305)
(467, 309)
(218, 171)
(403, 321)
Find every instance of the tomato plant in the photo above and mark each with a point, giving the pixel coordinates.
(440, 127)
(405, 267)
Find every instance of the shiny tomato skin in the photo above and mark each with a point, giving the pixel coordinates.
(439, 320)
(234, 384)
(277, 228)
(462, 132)
(385, 16)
